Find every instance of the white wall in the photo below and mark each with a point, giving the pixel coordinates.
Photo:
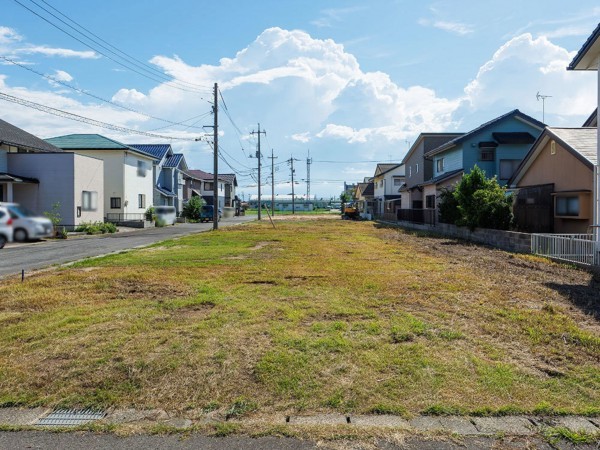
(89, 176)
(135, 184)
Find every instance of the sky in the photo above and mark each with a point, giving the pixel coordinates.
(348, 83)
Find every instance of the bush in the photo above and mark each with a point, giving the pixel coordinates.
(193, 208)
(150, 214)
(477, 201)
(96, 228)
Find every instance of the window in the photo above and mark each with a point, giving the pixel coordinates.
(142, 201)
(208, 186)
(141, 168)
(115, 203)
(487, 154)
(89, 201)
(409, 171)
(430, 201)
(440, 165)
(397, 181)
(417, 168)
(553, 147)
(508, 168)
(567, 206)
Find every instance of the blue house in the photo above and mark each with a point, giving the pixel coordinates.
(497, 147)
(168, 170)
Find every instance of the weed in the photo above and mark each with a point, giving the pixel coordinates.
(555, 434)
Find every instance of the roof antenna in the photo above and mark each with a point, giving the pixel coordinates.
(539, 96)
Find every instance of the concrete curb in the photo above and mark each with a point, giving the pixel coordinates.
(456, 425)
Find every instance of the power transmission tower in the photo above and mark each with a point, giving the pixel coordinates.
(272, 158)
(308, 163)
(259, 156)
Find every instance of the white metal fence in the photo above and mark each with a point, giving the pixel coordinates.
(576, 248)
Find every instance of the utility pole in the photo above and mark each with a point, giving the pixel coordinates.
(216, 160)
(259, 156)
(308, 163)
(272, 158)
(291, 163)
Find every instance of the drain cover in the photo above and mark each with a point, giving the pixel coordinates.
(70, 417)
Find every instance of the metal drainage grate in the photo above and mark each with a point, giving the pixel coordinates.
(70, 417)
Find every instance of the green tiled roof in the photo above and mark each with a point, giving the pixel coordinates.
(91, 142)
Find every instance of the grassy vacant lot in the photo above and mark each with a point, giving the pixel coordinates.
(317, 315)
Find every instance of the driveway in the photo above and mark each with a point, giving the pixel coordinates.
(32, 256)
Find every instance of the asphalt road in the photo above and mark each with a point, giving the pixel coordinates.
(94, 441)
(38, 255)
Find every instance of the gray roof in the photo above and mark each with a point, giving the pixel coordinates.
(592, 121)
(483, 127)
(442, 177)
(16, 137)
(585, 59)
(581, 140)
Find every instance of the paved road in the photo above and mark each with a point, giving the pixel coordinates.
(31, 256)
(72, 441)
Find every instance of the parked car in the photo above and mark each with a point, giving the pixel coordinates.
(166, 214)
(207, 212)
(6, 229)
(26, 224)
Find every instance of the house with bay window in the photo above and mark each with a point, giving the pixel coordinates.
(128, 177)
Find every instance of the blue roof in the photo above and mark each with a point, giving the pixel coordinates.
(158, 151)
(165, 192)
(90, 142)
(454, 142)
(174, 160)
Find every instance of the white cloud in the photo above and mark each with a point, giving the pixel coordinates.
(8, 35)
(61, 75)
(458, 28)
(331, 16)
(302, 137)
(60, 52)
(522, 67)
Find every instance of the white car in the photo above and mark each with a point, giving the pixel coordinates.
(6, 229)
(26, 224)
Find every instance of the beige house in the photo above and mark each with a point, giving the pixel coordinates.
(554, 183)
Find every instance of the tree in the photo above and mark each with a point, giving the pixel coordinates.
(477, 201)
(345, 197)
(193, 208)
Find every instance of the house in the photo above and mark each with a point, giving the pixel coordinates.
(200, 183)
(387, 182)
(364, 198)
(418, 169)
(168, 168)
(231, 184)
(497, 147)
(128, 183)
(588, 58)
(554, 183)
(39, 176)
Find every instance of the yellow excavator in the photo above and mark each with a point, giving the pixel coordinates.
(350, 212)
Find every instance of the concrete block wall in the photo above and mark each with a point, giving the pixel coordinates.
(511, 241)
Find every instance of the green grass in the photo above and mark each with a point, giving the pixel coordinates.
(314, 316)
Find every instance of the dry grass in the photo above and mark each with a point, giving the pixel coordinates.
(317, 315)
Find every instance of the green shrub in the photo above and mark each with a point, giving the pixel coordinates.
(96, 228)
(193, 208)
(150, 214)
(448, 207)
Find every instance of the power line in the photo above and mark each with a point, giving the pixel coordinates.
(165, 79)
(78, 118)
(90, 94)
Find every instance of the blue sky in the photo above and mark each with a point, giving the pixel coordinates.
(351, 81)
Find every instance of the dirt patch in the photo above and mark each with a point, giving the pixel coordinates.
(261, 245)
(151, 290)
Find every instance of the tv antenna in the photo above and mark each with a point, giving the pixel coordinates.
(539, 96)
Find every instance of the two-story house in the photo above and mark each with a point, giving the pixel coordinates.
(419, 169)
(200, 183)
(387, 182)
(497, 147)
(44, 178)
(168, 169)
(128, 183)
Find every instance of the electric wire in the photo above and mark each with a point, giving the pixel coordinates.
(90, 94)
(169, 81)
(78, 118)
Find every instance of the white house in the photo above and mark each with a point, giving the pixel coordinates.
(387, 182)
(39, 176)
(128, 180)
